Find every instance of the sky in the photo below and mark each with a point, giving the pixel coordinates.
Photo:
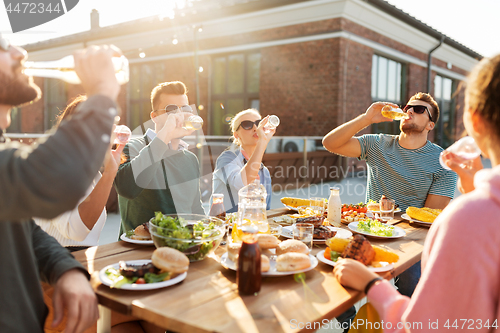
(474, 23)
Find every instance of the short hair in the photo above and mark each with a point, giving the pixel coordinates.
(70, 108)
(482, 94)
(236, 121)
(167, 88)
(420, 96)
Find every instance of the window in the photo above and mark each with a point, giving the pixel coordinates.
(55, 101)
(445, 128)
(235, 87)
(15, 124)
(387, 78)
(143, 78)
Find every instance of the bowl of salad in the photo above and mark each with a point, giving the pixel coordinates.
(197, 236)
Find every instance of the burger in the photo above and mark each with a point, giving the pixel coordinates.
(167, 259)
(141, 233)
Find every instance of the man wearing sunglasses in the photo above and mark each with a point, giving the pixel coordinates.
(403, 167)
(45, 180)
(158, 173)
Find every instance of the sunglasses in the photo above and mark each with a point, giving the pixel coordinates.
(173, 107)
(4, 44)
(417, 109)
(248, 124)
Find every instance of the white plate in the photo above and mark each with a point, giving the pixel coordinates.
(398, 232)
(229, 264)
(407, 217)
(147, 286)
(124, 237)
(291, 208)
(287, 232)
(376, 211)
(386, 266)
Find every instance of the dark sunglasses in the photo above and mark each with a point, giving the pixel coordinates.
(4, 44)
(173, 107)
(417, 109)
(248, 124)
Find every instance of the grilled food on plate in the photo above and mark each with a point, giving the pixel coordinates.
(340, 244)
(423, 214)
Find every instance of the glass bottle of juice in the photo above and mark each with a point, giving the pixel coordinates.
(248, 275)
(334, 207)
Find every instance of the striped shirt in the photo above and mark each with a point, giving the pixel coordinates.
(405, 175)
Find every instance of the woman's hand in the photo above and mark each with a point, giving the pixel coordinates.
(265, 135)
(465, 170)
(113, 158)
(353, 274)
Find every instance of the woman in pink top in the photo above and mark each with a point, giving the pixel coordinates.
(460, 284)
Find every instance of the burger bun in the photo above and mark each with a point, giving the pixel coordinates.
(170, 260)
(292, 245)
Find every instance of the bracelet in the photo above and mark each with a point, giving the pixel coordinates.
(371, 283)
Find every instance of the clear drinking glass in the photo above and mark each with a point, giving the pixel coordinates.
(64, 69)
(275, 230)
(465, 149)
(387, 209)
(193, 123)
(317, 205)
(272, 123)
(122, 134)
(304, 233)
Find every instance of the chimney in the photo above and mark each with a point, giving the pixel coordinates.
(94, 19)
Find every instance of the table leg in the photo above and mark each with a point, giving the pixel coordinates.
(104, 322)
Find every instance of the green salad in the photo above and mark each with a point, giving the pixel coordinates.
(176, 233)
(375, 227)
(119, 280)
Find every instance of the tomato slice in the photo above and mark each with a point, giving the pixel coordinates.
(140, 281)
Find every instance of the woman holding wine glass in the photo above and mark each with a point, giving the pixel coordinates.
(242, 164)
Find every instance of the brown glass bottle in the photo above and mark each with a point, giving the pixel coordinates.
(248, 275)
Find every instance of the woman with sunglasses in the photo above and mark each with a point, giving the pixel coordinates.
(241, 165)
(461, 257)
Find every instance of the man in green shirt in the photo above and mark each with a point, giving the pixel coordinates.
(158, 172)
(45, 180)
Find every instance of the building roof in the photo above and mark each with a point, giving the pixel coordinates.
(204, 10)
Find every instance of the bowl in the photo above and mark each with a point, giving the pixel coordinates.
(197, 236)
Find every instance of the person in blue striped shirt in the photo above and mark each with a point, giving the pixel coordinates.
(403, 167)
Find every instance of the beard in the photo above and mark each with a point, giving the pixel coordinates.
(412, 128)
(16, 90)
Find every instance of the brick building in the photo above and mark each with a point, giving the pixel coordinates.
(315, 64)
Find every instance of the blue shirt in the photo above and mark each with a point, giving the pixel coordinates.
(228, 172)
(406, 175)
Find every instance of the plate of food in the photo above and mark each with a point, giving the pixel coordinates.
(139, 235)
(376, 229)
(166, 267)
(424, 216)
(277, 259)
(320, 233)
(406, 217)
(376, 258)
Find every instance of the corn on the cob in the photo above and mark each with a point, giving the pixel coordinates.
(295, 202)
(421, 214)
(381, 254)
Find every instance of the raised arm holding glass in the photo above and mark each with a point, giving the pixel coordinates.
(241, 166)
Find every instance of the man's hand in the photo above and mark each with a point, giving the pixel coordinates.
(73, 292)
(465, 171)
(374, 112)
(173, 128)
(353, 274)
(95, 69)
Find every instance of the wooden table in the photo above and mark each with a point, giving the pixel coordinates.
(208, 300)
